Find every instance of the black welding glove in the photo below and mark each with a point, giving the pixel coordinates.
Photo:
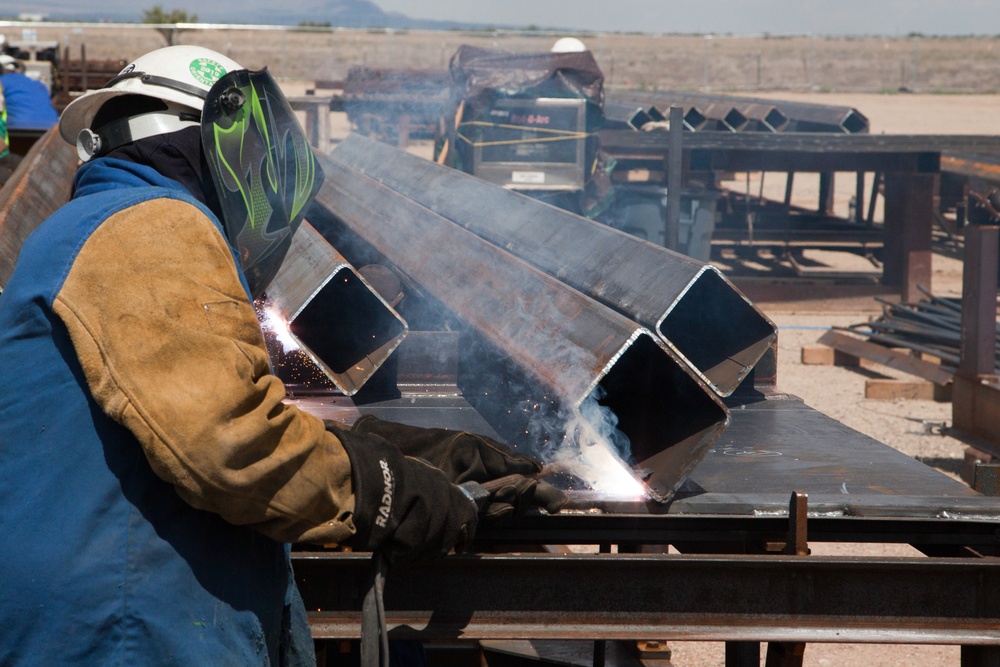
(469, 457)
(403, 507)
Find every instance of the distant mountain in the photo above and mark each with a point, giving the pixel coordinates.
(345, 13)
(337, 13)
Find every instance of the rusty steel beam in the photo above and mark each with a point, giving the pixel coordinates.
(341, 327)
(690, 305)
(982, 167)
(928, 148)
(638, 596)
(41, 184)
(534, 350)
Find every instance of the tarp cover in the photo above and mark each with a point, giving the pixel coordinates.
(482, 75)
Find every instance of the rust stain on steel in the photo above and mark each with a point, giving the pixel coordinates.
(970, 166)
(40, 185)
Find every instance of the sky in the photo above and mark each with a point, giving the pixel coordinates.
(800, 17)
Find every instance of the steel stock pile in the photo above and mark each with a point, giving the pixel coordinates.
(571, 340)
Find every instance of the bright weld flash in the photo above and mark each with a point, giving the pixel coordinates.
(593, 461)
(278, 327)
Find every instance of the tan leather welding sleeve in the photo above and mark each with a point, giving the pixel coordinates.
(171, 349)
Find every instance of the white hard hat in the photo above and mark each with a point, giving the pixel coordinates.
(10, 63)
(180, 76)
(568, 45)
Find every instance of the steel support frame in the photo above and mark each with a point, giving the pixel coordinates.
(976, 395)
(910, 166)
(682, 598)
(909, 218)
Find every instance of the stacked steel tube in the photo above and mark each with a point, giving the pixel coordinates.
(931, 326)
(535, 354)
(703, 111)
(687, 303)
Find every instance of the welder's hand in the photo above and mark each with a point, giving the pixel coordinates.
(469, 457)
(403, 507)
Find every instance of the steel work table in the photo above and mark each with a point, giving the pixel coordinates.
(735, 578)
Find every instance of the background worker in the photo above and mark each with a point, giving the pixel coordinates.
(28, 101)
(151, 476)
(25, 104)
(7, 162)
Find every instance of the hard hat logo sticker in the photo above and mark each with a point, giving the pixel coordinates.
(206, 71)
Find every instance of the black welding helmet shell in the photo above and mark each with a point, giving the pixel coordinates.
(264, 171)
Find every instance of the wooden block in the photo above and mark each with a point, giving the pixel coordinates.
(817, 355)
(879, 354)
(822, 355)
(942, 392)
(926, 356)
(888, 389)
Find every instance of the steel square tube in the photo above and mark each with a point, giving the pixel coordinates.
(637, 596)
(343, 328)
(791, 116)
(534, 349)
(690, 305)
(40, 184)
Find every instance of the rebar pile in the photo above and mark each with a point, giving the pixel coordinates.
(931, 326)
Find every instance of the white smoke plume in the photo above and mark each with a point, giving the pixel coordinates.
(594, 451)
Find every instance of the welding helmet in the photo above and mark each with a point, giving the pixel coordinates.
(262, 167)
(264, 170)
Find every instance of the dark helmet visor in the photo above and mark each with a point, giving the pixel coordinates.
(265, 173)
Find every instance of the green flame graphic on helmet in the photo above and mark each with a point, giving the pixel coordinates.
(265, 171)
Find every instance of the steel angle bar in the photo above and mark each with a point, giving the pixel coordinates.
(323, 322)
(637, 596)
(41, 184)
(536, 350)
(705, 320)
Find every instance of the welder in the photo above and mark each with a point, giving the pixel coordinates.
(152, 478)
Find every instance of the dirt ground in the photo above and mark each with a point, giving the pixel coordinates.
(747, 64)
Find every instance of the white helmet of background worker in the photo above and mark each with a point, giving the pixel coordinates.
(10, 64)
(568, 45)
(264, 172)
